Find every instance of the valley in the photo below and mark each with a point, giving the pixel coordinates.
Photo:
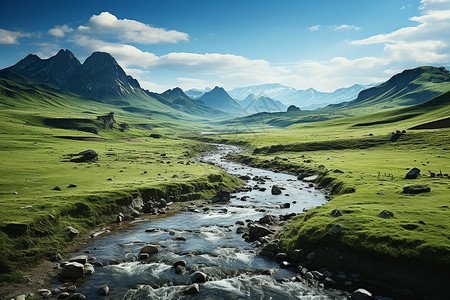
(164, 159)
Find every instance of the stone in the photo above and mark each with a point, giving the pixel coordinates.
(336, 213)
(336, 228)
(63, 295)
(414, 173)
(44, 293)
(72, 185)
(199, 277)
(113, 262)
(266, 219)
(57, 257)
(285, 205)
(297, 255)
(71, 289)
(149, 249)
(385, 214)
(241, 229)
(301, 176)
(77, 296)
(103, 290)
(179, 269)
(361, 294)
(82, 259)
(222, 196)
(281, 257)
(309, 275)
(317, 274)
(311, 178)
(327, 274)
(328, 282)
(416, 189)
(192, 289)
(276, 190)
(85, 156)
(271, 247)
(285, 264)
(143, 256)
(311, 255)
(257, 231)
(180, 263)
(72, 270)
(57, 188)
(89, 269)
(338, 171)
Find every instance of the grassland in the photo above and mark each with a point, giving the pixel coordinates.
(374, 165)
(34, 217)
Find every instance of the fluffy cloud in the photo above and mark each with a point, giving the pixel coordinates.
(344, 27)
(11, 37)
(313, 28)
(129, 31)
(60, 31)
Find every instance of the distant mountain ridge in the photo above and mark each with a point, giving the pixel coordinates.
(218, 98)
(253, 104)
(305, 99)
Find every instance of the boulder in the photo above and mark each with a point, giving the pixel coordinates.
(44, 293)
(257, 231)
(63, 295)
(77, 296)
(241, 229)
(271, 247)
(311, 178)
(416, 189)
(82, 259)
(192, 289)
(72, 270)
(285, 205)
(328, 282)
(336, 213)
(103, 290)
(179, 263)
(385, 214)
(297, 255)
(276, 190)
(414, 173)
(143, 256)
(85, 156)
(266, 219)
(302, 176)
(199, 277)
(338, 171)
(57, 188)
(149, 249)
(89, 269)
(311, 255)
(336, 228)
(281, 257)
(361, 294)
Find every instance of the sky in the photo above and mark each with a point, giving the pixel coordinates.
(323, 44)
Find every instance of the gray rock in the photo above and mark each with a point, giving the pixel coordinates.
(416, 189)
(276, 190)
(77, 296)
(297, 255)
(309, 275)
(63, 295)
(336, 213)
(103, 290)
(257, 231)
(414, 173)
(241, 229)
(180, 263)
(44, 293)
(328, 282)
(311, 178)
(82, 259)
(143, 256)
(266, 219)
(89, 269)
(285, 205)
(281, 257)
(192, 289)
(302, 176)
(361, 294)
(199, 277)
(338, 171)
(311, 255)
(327, 274)
(72, 270)
(71, 289)
(180, 269)
(150, 249)
(21, 297)
(72, 230)
(336, 228)
(57, 188)
(385, 214)
(272, 247)
(113, 262)
(317, 274)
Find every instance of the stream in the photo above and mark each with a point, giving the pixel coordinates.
(231, 263)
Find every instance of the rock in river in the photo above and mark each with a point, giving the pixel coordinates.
(72, 270)
(192, 289)
(256, 231)
(361, 294)
(150, 249)
(276, 190)
(199, 277)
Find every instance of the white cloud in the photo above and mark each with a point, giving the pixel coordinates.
(313, 28)
(106, 24)
(344, 27)
(11, 37)
(60, 31)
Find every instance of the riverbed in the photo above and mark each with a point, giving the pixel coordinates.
(207, 240)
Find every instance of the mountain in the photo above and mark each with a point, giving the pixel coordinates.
(305, 99)
(177, 99)
(218, 98)
(407, 88)
(253, 105)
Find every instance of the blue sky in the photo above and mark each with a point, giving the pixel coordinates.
(322, 44)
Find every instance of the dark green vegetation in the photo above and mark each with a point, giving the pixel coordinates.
(144, 152)
(374, 159)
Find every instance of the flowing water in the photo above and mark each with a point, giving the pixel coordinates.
(231, 263)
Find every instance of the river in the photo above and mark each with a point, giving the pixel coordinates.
(211, 239)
